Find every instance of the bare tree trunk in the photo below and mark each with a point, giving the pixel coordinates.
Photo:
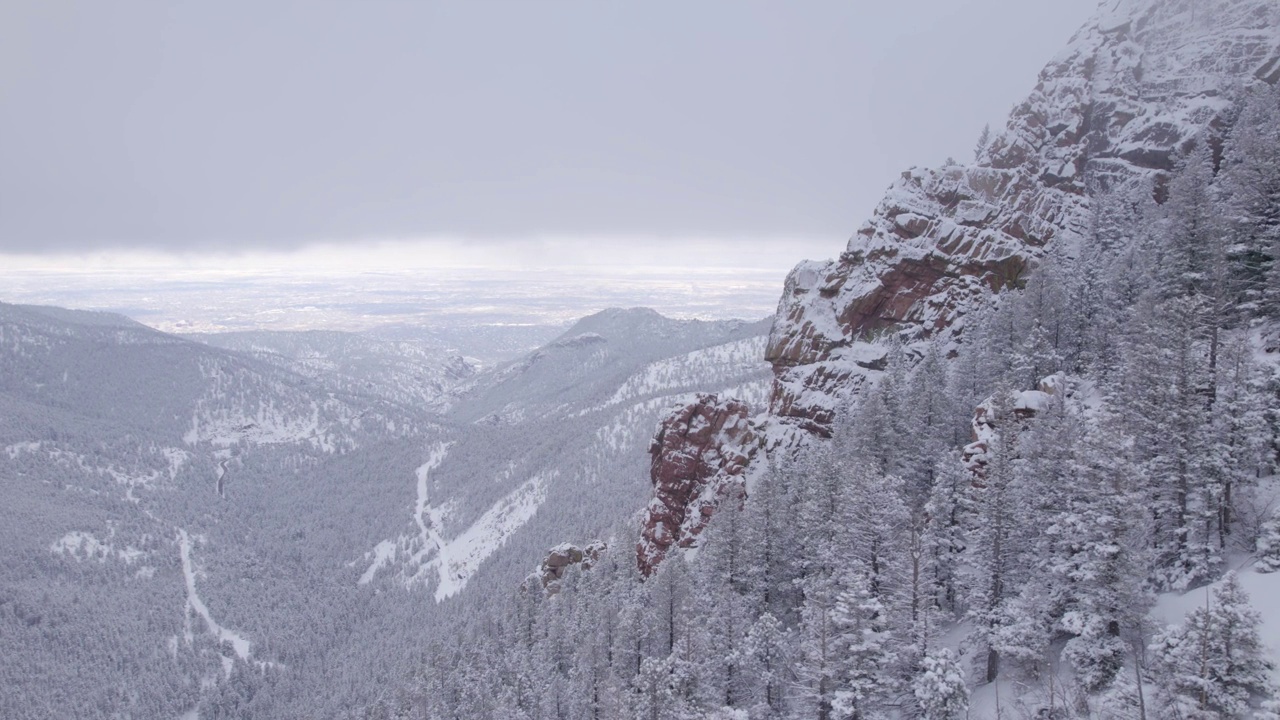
(1204, 655)
(1137, 672)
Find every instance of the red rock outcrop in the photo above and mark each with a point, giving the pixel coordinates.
(1019, 406)
(1134, 86)
(558, 561)
(699, 456)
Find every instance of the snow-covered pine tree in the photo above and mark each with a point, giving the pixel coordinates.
(723, 607)
(765, 656)
(1237, 436)
(930, 421)
(984, 139)
(1250, 201)
(818, 663)
(1268, 546)
(993, 564)
(770, 540)
(865, 649)
(1213, 663)
(1161, 396)
(877, 431)
(943, 542)
(1098, 556)
(940, 688)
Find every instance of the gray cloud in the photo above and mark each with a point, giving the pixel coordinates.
(191, 126)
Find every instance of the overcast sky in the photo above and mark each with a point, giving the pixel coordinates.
(208, 126)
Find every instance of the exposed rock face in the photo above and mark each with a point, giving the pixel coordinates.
(558, 561)
(1019, 406)
(1134, 86)
(699, 456)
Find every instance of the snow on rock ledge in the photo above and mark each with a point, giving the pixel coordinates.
(1022, 405)
(558, 561)
(1131, 89)
(699, 458)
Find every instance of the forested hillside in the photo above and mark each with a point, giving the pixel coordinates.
(199, 532)
(1004, 520)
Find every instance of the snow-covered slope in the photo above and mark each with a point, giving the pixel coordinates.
(194, 523)
(410, 373)
(605, 359)
(556, 443)
(156, 493)
(111, 369)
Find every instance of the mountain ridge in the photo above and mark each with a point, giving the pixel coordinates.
(1133, 89)
(1138, 82)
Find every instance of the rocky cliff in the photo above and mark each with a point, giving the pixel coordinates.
(1134, 86)
(1138, 83)
(699, 456)
(558, 561)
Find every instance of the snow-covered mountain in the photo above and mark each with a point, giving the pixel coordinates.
(1110, 114)
(173, 513)
(409, 373)
(280, 519)
(612, 358)
(292, 527)
(1095, 298)
(1115, 107)
(558, 440)
(107, 368)
(489, 344)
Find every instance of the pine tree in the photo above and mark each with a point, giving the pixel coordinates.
(818, 662)
(984, 140)
(1268, 548)
(943, 541)
(930, 419)
(1042, 317)
(991, 553)
(872, 528)
(1250, 192)
(1163, 399)
(1192, 229)
(722, 607)
(1214, 662)
(1097, 558)
(770, 539)
(978, 368)
(940, 688)
(878, 432)
(765, 656)
(864, 647)
(1237, 437)
(658, 690)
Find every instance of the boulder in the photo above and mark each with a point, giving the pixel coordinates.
(558, 561)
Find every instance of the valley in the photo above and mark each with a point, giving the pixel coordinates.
(283, 489)
(1012, 452)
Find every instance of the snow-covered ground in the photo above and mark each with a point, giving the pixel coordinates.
(416, 548)
(461, 557)
(267, 425)
(1263, 590)
(81, 545)
(426, 556)
(131, 479)
(700, 368)
(239, 643)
